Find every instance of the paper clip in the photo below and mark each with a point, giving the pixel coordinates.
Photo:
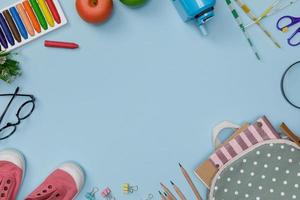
(106, 194)
(128, 188)
(150, 196)
(92, 194)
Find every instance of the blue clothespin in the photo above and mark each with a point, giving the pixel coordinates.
(92, 195)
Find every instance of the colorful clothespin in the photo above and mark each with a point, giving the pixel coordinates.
(92, 194)
(106, 193)
(128, 188)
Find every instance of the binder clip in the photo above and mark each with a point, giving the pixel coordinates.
(128, 188)
(106, 194)
(92, 194)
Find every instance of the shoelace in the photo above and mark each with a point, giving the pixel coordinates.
(7, 185)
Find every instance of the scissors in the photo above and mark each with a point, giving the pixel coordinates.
(284, 28)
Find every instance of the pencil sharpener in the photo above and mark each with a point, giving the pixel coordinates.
(199, 11)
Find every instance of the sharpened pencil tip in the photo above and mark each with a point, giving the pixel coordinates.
(165, 194)
(172, 183)
(179, 164)
(160, 192)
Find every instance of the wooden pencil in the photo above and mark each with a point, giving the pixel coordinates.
(163, 197)
(190, 182)
(178, 191)
(169, 193)
(167, 197)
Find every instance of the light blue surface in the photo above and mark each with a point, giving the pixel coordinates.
(143, 93)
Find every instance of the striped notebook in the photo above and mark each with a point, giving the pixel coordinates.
(260, 131)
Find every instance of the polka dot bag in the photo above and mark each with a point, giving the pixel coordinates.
(268, 170)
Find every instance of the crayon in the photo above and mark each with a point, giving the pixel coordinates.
(46, 12)
(32, 16)
(12, 26)
(2, 39)
(19, 22)
(39, 14)
(25, 19)
(6, 30)
(54, 11)
(65, 45)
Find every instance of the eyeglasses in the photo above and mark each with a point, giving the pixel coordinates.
(24, 111)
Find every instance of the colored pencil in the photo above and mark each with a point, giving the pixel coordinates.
(240, 23)
(178, 191)
(167, 196)
(169, 193)
(162, 196)
(46, 12)
(190, 182)
(252, 16)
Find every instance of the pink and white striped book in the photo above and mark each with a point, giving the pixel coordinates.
(260, 131)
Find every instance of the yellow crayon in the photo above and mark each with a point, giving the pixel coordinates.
(46, 12)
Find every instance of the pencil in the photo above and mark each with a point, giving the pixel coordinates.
(190, 182)
(178, 191)
(167, 197)
(250, 14)
(162, 196)
(169, 193)
(241, 25)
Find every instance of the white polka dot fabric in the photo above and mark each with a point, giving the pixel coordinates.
(268, 171)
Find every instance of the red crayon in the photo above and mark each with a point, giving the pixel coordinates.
(56, 44)
(54, 11)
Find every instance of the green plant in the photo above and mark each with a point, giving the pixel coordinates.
(9, 68)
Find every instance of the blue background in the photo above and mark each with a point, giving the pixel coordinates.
(143, 93)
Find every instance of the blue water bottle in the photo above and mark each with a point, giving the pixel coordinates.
(199, 11)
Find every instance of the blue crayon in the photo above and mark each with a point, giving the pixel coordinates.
(6, 30)
(19, 22)
(3, 39)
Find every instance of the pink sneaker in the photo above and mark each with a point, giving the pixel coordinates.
(12, 168)
(62, 184)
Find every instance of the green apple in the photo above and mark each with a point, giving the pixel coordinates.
(134, 3)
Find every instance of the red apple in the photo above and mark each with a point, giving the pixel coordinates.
(94, 11)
